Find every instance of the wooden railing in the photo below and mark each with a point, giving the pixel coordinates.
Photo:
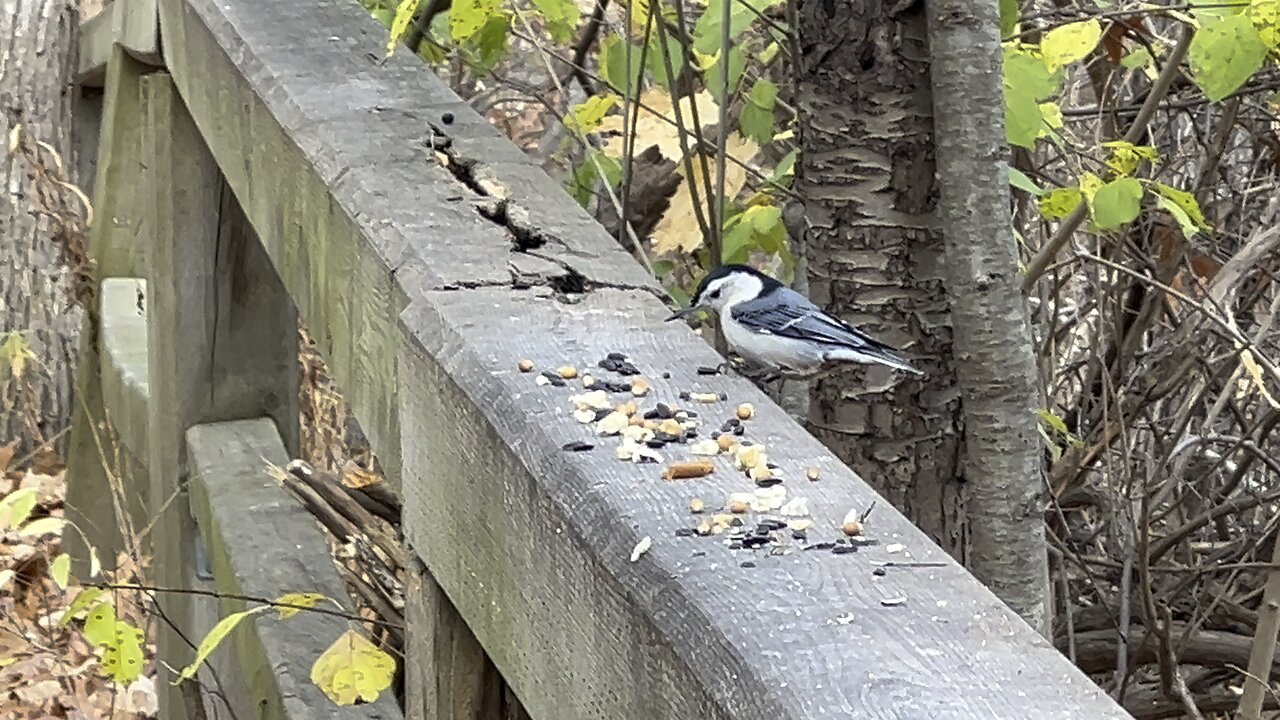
(270, 164)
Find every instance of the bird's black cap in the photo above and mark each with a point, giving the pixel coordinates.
(769, 283)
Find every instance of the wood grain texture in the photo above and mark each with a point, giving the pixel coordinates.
(122, 349)
(122, 353)
(97, 38)
(221, 335)
(116, 246)
(532, 545)
(263, 544)
(451, 676)
(136, 27)
(345, 195)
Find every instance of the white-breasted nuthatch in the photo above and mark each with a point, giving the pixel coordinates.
(774, 326)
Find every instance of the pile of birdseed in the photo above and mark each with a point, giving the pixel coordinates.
(763, 518)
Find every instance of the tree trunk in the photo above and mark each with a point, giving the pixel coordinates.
(866, 177)
(36, 70)
(994, 361)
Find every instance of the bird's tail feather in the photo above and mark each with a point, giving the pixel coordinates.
(874, 356)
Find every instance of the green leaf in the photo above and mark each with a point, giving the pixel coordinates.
(60, 570)
(561, 17)
(1022, 120)
(1050, 119)
(756, 120)
(1027, 81)
(1009, 16)
(100, 624)
(1185, 224)
(486, 48)
(1057, 204)
(737, 241)
(122, 655)
(1054, 422)
(214, 637)
(586, 116)
(714, 78)
(1184, 201)
(613, 64)
(85, 598)
(707, 34)
(786, 168)
(1139, 57)
(1018, 179)
(466, 17)
(656, 64)
(1068, 43)
(1116, 203)
(581, 184)
(42, 526)
(762, 217)
(1225, 52)
(16, 507)
(400, 24)
(1028, 74)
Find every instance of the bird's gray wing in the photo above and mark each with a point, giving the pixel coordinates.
(789, 314)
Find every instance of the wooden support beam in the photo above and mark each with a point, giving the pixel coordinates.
(262, 543)
(222, 336)
(131, 25)
(116, 246)
(97, 38)
(136, 27)
(423, 303)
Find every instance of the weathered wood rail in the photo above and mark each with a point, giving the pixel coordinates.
(268, 164)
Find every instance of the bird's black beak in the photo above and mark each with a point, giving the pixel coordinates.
(679, 314)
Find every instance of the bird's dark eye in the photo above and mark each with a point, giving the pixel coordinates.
(715, 294)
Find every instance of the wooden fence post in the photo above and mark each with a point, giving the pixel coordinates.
(222, 338)
(118, 201)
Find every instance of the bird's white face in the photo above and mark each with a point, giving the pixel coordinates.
(729, 290)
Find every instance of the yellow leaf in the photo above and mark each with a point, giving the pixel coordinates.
(1265, 15)
(1069, 43)
(1255, 373)
(353, 669)
(304, 599)
(16, 353)
(122, 655)
(100, 625)
(1051, 117)
(656, 124)
(215, 636)
(84, 599)
(16, 507)
(400, 24)
(1125, 156)
(1089, 184)
(42, 526)
(6, 577)
(60, 570)
(586, 116)
(678, 230)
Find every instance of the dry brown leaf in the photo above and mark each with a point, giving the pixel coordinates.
(6, 455)
(652, 129)
(678, 229)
